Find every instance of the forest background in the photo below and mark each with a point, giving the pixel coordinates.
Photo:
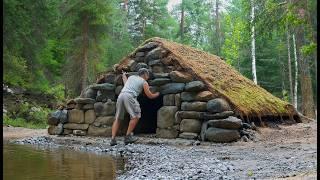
(59, 47)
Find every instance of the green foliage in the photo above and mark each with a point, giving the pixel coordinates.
(308, 49)
(30, 113)
(19, 122)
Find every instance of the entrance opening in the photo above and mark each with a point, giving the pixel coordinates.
(149, 108)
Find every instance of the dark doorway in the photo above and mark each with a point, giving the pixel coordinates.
(149, 109)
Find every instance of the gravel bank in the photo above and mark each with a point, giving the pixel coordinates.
(286, 152)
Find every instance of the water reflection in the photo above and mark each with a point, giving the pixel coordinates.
(26, 162)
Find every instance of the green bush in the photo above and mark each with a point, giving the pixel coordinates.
(27, 113)
(20, 122)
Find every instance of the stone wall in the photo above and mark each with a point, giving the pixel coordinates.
(189, 110)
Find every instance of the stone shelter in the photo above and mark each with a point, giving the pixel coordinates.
(201, 98)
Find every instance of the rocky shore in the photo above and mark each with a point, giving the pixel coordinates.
(288, 151)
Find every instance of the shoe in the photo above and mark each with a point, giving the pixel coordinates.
(113, 142)
(129, 139)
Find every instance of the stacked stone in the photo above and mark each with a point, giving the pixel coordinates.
(189, 110)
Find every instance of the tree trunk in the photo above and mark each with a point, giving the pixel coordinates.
(218, 34)
(295, 93)
(289, 64)
(253, 53)
(182, 21)
(85, 41)
(307, 104)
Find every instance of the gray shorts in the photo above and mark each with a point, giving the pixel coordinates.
(126, 102)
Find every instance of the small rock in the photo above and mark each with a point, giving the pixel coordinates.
(188, 135)
(78, 132)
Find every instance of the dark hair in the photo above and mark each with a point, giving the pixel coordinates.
(143, 71)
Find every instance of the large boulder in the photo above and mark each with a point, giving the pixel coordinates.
(168, 100)
(156, 53)
(188, 135)
(159, 81)
(103, 95)
(59, 116)
(139, 54)
(190, 114)
(89, 116)
(182, 77)
(104, 120)
(195, 86)
(166, 133)
(75, 116)
(109, 78)
(228, 123)
(196, 96)
(222, 115)
(218, 105)
(104, 86)
(204, 128)
(87, 106)
(118, 90)
(89, 93)
(147, 47)
(221, 135)
(177, 100)
(155, 62)
(166, 116)
(76, 126)
(55, 130)
(99, 131)
(105, 109)
(161, 75)
(109, 108)
(140, 65)
(194, 106)
(84, 100)
(172, 88)
(190, 125)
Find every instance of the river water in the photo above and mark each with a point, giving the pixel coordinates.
(37, 163)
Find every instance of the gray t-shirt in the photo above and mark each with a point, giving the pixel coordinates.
(134, 85)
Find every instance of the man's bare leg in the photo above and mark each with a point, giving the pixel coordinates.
(115, 127)
(132, 124)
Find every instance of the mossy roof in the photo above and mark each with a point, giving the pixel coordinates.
(248, 99)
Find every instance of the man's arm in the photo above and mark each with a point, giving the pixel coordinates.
(147, 91)
(124, 77)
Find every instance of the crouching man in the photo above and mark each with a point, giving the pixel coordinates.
(127, 102)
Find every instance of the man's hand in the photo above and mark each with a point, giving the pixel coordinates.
(124, 77)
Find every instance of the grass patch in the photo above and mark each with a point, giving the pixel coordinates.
(19, 122)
